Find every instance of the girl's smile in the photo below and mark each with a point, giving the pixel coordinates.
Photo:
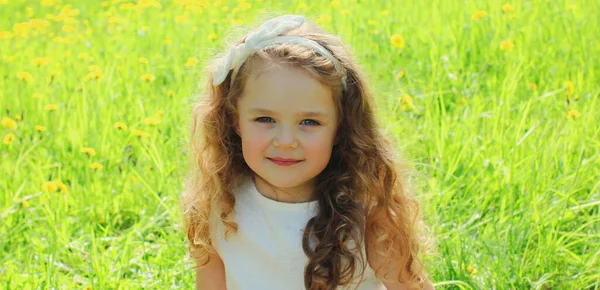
(284, 162)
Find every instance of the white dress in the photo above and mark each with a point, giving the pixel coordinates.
(266, 252)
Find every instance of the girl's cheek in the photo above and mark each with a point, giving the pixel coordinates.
(259, 136)
(318, 139)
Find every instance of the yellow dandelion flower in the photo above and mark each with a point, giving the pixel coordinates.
(335, 4)
(478, 15)
(64, 40)
(398, 41)
(51, 76)
(25, 203)
(571, 7)
(89, 287)
(51, 107)
(8, 138)
(25, 76)
(96, 166)
(87, 150)
(532, 86)
(573, 114)
(68, 28)
(5, 35)
(507, 8)
(139, 133)
(63, 187)
(18, 117)
(49, 186)
(120, 126)
(144, 28)
(40, 61)
(152, 121)
(149, 3)
(143, 60)
(471, 269)
(83, 55)
(116, 20)
(40, 128)
(384, 12)
(148, 77)
(406, 102)
(128, 6)
(506, 45)
(212, 36)
(192, 61)
(323, 19)
(37, 96)
(571, 86)
(346, 12)
(181, 19)
(159, 113)
(94, 75)
(166, 41)
(245, 5)
(71, 20)
(463, 101)
(400, 75)
(9, 123)
(170, 93)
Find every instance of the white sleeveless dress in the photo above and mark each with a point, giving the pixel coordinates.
(266, 252)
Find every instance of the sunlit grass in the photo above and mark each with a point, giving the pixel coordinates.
(494, 102)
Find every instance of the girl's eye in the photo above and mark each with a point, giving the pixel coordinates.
(310, 122)
(263, 119)
(270, 120)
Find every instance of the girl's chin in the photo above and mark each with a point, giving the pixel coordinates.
(283, 181)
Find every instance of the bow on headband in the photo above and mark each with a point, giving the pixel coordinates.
(268, 33)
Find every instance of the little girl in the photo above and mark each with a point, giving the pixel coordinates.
(294, 186)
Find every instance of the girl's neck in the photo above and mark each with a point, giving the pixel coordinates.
(297, 194)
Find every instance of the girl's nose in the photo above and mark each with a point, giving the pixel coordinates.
(285, 138)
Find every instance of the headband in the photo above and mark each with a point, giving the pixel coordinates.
(269, 33)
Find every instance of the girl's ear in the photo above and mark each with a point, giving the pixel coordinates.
(236, 128)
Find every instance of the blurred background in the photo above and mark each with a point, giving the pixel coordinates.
(495, 103)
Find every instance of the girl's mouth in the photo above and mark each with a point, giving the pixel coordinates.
(284, 162)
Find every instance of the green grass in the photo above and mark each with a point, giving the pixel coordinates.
(506, 142)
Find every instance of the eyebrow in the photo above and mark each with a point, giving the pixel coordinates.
(304, 114)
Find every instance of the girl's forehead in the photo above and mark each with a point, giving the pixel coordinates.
(286, 89)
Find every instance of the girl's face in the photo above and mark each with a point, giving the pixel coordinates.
(284, 113)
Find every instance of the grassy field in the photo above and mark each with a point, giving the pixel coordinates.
(495, 103)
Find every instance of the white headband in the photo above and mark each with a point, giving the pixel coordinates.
(268, 34)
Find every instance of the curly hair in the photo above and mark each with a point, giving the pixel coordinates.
(363, 188)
